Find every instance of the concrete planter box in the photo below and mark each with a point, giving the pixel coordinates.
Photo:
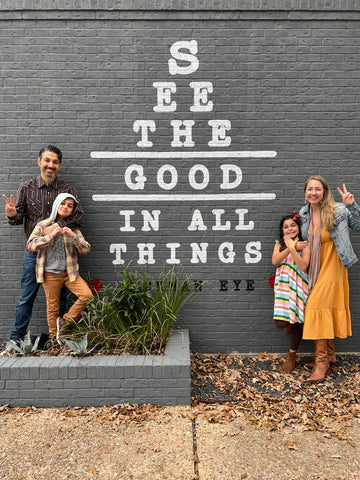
(99, 380)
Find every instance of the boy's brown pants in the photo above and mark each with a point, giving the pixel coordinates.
(53, 283)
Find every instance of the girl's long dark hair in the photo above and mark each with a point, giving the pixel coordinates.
(292, 216)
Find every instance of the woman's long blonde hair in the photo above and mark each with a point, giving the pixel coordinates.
(328, 206)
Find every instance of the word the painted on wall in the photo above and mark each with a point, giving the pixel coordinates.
(182, 133)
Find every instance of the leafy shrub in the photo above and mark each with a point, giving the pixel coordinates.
(136, 313)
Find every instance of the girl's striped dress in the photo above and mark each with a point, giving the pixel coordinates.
(291, 292)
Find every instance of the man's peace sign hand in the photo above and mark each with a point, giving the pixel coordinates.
(10, 209)
(346, 196)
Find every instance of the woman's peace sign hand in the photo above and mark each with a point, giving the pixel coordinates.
(346, 196)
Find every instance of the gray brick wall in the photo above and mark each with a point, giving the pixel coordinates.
(174, 6)
(284, 74)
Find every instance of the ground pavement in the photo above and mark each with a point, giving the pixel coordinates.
(247, 421)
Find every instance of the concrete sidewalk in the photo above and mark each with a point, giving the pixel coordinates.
(179, 443)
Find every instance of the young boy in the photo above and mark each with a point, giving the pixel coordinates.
(57, 265)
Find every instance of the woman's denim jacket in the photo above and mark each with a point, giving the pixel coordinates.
(345, 217)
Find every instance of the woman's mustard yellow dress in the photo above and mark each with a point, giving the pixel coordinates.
(327, 313)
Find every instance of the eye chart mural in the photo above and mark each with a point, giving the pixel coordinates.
(221, 184)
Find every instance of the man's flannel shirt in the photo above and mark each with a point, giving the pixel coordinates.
(38, 242)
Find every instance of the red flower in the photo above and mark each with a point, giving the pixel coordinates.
(95, 285)
(272, 282)
(296, 216)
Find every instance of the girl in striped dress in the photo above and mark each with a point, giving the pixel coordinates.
(292, 256)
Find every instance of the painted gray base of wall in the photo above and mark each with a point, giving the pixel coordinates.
(99, 380)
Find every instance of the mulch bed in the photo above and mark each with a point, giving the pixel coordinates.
(255, 389)
(63, 349)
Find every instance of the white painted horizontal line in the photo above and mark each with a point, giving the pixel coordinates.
(222, 154)
(183, 197)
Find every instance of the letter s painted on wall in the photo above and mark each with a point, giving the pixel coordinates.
(253, 252)
(175, 48)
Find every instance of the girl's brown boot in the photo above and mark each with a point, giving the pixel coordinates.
(290, 362)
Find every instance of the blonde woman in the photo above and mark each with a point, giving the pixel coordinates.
(326, 225)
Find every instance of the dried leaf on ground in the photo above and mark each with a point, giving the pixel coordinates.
(226, 386)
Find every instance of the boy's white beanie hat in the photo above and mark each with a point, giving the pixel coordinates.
(57, 202)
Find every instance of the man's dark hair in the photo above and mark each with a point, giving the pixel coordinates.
(53, 149)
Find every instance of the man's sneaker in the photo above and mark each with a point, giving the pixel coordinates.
(10, 348)
(62, 327)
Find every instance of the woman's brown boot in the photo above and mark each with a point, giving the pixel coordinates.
(290, 362)
(330, 354)
(321, 362)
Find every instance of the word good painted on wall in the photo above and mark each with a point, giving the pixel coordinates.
(198, 177)
(206, 183)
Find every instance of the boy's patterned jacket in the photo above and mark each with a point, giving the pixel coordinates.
(38, 242)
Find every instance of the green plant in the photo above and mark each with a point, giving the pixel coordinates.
(79, 348)
(136, 313)
(26, 347)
